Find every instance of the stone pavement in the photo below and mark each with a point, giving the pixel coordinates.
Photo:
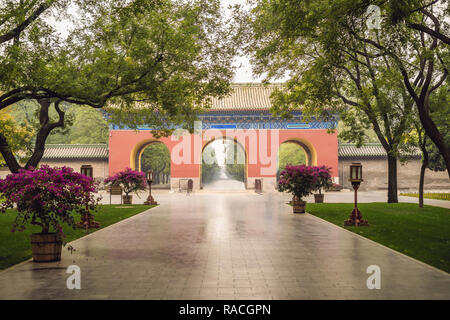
(225, 246)
(332, 197)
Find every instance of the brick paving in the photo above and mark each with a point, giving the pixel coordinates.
(225, 246)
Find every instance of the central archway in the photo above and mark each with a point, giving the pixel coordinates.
(223, 165)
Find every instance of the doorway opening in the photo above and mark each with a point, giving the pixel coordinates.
(292, 153)
(224, 165)
(156, 157)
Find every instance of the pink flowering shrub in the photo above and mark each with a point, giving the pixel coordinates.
(323, 174)
(297, 180)
(129, 180)
(47, 197)
(302, 180)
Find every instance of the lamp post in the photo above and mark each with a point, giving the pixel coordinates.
(150, 200)
(355, 218)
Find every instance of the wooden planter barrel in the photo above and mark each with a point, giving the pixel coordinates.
(318, 198)
(127, 199)
(298, 206)
(46, 247)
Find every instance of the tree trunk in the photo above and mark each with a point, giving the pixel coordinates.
(424, 166)
(392, 179)
(39, 147)
(421, 181)
(433, 133)
(8, 156)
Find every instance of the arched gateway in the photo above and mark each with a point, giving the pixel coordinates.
(244, 117)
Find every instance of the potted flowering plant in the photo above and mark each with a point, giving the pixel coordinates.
(300, 182)
(47, 197)
(130, 181)
(322, 180)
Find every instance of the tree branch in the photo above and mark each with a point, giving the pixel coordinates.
(431, 32)
(18, 30)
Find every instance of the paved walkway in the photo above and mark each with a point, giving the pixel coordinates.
(332, 197)
(225, 246)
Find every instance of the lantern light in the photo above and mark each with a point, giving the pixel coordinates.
(356, 172)
(356, 218)
(150, 175)
(150, 200)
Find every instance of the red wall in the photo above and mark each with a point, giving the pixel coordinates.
(122, 143)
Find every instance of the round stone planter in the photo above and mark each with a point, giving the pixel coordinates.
(46, 247)
(127, 199)
(318, 198)
(298, 206)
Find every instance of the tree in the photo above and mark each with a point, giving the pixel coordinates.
(406, 11)
(89, 126)
(156, 157)
(153, 62)
(234, 160)
(290, 153)
(332, 70)
(431, 158)
(16, 16)
(419, 50)
(83, 125)
(19, 135)
(129, 180)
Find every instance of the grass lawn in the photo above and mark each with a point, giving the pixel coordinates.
(429, 195)
(16, 246)
(423, 234)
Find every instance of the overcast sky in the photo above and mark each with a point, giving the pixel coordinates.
(244, 70)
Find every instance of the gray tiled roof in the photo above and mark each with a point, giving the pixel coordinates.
(242, 96)
(246, 96)
(76, 151)
(370, 150)
(100, 151)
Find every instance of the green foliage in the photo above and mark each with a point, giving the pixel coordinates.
(156, 157)
(234, 160)
(290, 153)
(336, 65)
(209, 172)
(429, 195)
(154, 63)
(417, 138)
(89, 127)
(331, 71)
(440, 111)
(236, 171)
(83, 125)
(20, 135)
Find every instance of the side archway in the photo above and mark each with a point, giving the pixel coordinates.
(152, 154)
(156, 157)
(307, 147)
(136, 153)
